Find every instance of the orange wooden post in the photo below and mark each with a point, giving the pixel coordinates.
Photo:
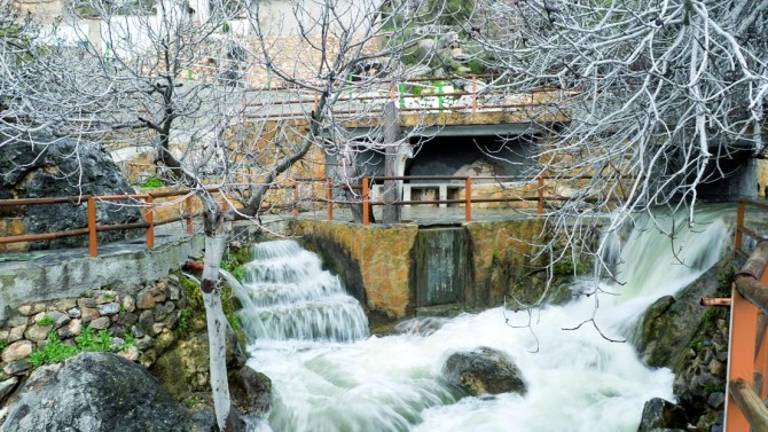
(329, 197)
(189, 213)
(540, 208)
(93, 239)
(149, 217)
(740, 210)
(468, 199)
(741, 363)
(295, 211)
(474, 94)
(366, 215)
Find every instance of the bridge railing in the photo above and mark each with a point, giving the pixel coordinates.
(146, 202)
(435, 95)
(359, 194)
(748, 344)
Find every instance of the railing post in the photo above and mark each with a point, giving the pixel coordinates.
(149, 217)
(189, 213)
(92, 237)
(540, 208)
(468, 199)
(474, 94)
(366, 215)
(741, 362)
(295, 211)
(329, 197)
(740, 210)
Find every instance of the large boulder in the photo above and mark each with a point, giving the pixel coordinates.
(484, 371)
(659, 414)
(48, 167)
(96, 392)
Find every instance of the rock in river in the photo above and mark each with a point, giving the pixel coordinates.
(484, 371)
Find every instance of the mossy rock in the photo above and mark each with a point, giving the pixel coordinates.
(669, 325)
(183, 369)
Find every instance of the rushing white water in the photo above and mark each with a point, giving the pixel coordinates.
(577, 380)
(287, 295)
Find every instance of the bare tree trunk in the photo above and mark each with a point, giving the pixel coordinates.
(394, 164)
(215, 242)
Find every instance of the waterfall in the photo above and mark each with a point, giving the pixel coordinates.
(310, 338)
(287, 295)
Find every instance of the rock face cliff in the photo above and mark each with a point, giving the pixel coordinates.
(56, 168)
(692, 340)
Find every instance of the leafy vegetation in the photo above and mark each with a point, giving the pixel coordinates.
(234, 259)
(46, 320)
(152, 183)
(184, 320)
(3, 345)
(56, 351)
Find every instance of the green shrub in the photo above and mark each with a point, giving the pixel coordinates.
(152, 183)
(90, 342)
(56, 351)
(3, 345)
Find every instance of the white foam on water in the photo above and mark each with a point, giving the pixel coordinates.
(311, 339)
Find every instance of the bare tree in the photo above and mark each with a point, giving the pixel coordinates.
(348, 56)
(659, 100)
(164, 79)
(177, 79)
(662, 97)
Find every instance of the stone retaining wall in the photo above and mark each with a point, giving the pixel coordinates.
(141, 322)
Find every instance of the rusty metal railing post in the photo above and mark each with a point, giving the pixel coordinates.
(366, 215)
(329, 197)
(93, 239)
(741, 364)
(740, 211)
(474, 94)
(189, 213)
(540, 208)
(296, 197)
(468, 199)
(149, 217)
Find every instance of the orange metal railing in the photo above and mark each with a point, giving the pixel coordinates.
(148, 205)
(468, 201)
(145, 201)
(748, 344)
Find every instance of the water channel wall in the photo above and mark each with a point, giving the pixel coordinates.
(396, 269)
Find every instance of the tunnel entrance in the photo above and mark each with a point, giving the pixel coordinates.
(485, 155)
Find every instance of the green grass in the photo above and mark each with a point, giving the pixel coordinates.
(56, 351)
(3, 345)
(45, 321)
